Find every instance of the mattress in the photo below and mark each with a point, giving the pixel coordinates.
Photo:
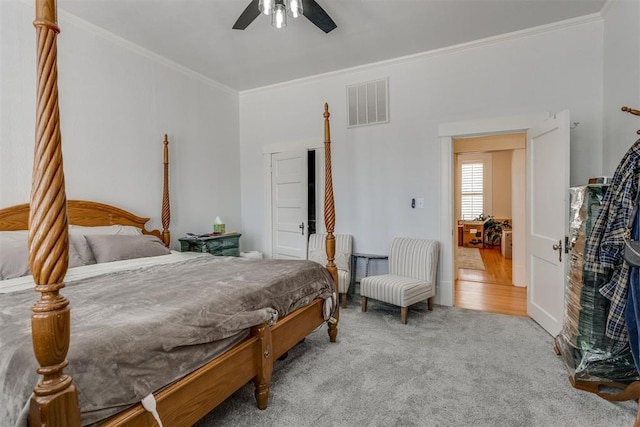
(139, 326)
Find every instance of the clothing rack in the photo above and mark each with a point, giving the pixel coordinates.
(632, 391)
(631, 111)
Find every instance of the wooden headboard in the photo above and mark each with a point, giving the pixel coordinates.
(79, 212)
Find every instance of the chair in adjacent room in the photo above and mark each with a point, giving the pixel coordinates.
(413, 266)
(344, 248)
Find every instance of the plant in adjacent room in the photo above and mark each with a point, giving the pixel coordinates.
(493, 229)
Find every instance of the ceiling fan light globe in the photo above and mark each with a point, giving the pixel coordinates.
(279, 17)
(294, 8)
(266, 6)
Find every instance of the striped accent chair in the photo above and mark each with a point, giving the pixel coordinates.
(344, 248)
(413, 264)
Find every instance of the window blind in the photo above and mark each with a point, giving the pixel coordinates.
(472, 195)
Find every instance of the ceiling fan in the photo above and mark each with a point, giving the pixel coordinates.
(310, 8)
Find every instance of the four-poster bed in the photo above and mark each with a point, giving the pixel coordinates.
(55, 399)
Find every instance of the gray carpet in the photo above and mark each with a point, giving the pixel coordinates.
(448, 367)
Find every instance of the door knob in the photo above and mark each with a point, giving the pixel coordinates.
(558, 247)
(301, 227)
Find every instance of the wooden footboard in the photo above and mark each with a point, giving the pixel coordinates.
(292, 329)
(192, 397)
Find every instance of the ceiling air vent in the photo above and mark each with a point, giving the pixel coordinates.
(368, 103)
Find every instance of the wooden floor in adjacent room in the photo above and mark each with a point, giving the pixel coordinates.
(490, 289)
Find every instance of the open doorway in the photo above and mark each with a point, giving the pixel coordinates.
(488, 194)
(294, 200)
(546, 161)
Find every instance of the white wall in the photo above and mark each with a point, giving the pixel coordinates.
(519, 218)
(501, 181)
(116, 102)
(621, 82)
(378, 169)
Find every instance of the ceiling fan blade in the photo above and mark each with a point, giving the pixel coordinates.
(248, 16)
(316, 14)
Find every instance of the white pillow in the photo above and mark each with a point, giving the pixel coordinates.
(77, 233)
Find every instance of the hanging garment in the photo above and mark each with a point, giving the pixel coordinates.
(605, 245)
(632, 309)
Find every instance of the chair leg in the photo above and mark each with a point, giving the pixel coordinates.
(343, 300)
(364, 304)
(404, 313)
(430, 304)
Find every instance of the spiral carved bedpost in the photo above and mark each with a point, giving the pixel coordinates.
(55, 401)
(166, 208)
(330, 221)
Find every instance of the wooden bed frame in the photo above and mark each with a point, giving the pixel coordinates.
(47, 217)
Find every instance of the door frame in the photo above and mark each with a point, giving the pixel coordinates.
(447, 132)
(267, 151)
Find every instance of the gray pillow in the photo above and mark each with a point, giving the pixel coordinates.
(77, 233)
(114, 247)
(14, 255)
(74, 256)
(14, 259)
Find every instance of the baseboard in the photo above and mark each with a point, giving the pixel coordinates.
(519, 274)
(444, 294)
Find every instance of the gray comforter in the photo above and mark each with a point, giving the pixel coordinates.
(135, 331)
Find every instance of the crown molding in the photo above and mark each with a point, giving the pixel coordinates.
(587, 19)
(607, 7)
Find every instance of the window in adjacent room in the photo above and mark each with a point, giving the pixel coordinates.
(471, 190)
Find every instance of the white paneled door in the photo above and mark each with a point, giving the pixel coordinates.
(548, 184)
(289, 203)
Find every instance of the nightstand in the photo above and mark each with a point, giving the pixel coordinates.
(222, 245)
(367, 257)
